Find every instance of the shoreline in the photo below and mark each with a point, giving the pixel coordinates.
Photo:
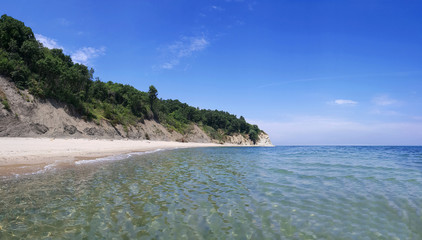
(30, 155)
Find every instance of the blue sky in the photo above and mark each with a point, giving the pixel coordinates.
(307, 72)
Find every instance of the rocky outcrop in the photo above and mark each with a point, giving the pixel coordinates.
(70, 129)
(26, 116)
(240, 139)
(38, 128)
(264, 140)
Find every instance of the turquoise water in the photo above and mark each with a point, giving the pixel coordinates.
(223, 193)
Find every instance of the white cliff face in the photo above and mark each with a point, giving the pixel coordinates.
(264, 140)
(239, 139)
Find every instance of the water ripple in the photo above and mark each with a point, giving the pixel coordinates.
(220, 193)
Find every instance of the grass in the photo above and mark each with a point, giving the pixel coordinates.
(6, 105)
(4, 101)
(214, 134)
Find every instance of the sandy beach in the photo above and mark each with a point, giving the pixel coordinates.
(26, 155)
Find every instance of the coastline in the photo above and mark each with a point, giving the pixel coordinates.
(30, 155)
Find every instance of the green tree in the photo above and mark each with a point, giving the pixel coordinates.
(13, 33)
(254, 133)
(30, 52)
(152, 94)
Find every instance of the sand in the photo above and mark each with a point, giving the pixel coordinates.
(29, 155)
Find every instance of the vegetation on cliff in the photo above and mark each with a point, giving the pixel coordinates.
(49, 73)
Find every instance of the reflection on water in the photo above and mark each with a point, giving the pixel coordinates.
(219, 193)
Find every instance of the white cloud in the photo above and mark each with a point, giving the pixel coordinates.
(82, 55)
(386, 112)
(344, 102)
(170, 64)
(63, 21)
(47, 42)
(217, 8)
(185, 47)
(85, 54)
(384, 100)
(188, 46)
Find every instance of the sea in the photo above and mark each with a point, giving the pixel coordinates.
(283, 192)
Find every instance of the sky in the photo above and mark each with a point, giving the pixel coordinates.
(308, 72)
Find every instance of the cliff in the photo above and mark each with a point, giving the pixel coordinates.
(23, 115)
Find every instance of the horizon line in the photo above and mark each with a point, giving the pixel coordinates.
(344, 145)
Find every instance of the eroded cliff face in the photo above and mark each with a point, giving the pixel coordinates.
(239, 139)
(27, 116)
(264, 140)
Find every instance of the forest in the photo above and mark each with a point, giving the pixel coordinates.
(51, 74)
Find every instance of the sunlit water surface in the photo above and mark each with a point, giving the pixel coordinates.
(223, 193)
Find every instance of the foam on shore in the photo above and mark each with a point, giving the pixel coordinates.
(117, 157)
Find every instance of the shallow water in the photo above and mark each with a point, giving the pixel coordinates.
(220, 193)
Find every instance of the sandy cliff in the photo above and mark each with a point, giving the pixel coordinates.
(239, 139)
(27, 116)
